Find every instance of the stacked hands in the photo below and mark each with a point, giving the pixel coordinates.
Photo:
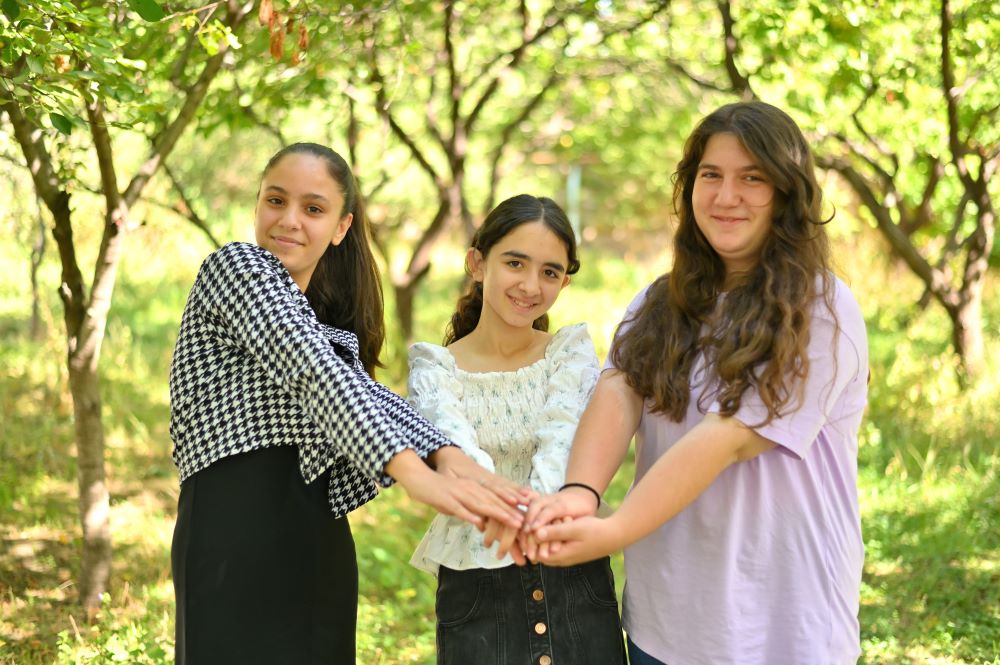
(556, 529)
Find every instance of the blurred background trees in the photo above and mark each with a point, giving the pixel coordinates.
(132, 134)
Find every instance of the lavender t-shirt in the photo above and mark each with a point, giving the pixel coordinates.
(764, 568)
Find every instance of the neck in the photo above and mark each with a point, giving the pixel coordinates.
(493, 338)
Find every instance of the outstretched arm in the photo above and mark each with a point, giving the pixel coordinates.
(600, 445)
(673, 482)
(461, 497)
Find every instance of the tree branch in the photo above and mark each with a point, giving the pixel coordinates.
(508, 132)
(39, 163)
(934, 280)
(739, 83)
(383, 109)
(236, 13)
(189, 212)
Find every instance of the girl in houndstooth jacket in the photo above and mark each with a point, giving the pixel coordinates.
(279, 429)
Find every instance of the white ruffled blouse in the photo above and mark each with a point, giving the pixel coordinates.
(517, 424)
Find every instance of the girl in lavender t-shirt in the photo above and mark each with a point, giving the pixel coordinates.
(743, 375)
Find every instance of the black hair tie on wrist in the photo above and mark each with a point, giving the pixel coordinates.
(597, 495)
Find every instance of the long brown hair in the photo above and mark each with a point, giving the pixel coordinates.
(507, 216)
(346, 288)
(756, 335)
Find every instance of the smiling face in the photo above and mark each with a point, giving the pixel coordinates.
(299, 213)
(522, 275)
(733, 202)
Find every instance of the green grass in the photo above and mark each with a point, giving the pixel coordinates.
(928, 483)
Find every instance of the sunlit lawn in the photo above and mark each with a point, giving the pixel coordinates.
(929, 493)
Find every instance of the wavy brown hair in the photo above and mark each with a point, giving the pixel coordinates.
(507, 216)
(756, 335)
(346, 288)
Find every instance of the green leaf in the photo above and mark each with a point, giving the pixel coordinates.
(11, 9)
(149, 10)
(61, 122)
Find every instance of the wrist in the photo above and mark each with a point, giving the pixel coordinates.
(444, 455)
(406, 465)
(583, 488)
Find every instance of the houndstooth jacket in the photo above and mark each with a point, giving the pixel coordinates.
(253, 368)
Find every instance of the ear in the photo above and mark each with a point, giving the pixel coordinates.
(565, 282)
(474, 263)
(342, 226)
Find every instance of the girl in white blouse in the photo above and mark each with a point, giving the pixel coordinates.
(510, 395)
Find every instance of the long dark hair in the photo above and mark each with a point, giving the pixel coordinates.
(346, 288)
(507, 216)
(757, 336)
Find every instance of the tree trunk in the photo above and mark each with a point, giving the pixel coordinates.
(94, 502)
(405, 294)
(37, 254)
(967, 336)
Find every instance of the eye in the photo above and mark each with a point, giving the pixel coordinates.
(708, 175)
(275, 200)
(314, 210)
(551, 274)
(515, 263)
(755, 178)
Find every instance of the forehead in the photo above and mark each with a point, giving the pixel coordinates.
(533, 239)
(725, 150)
(298, 172)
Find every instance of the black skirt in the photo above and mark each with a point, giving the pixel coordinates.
(263, 572)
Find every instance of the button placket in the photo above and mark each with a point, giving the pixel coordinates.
(539, 638)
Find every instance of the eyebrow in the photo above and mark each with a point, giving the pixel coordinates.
(751, 167)
(310, 196)
(521, 255)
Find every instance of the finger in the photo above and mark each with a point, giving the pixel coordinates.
(491, 532)
(506, 539)
(517, 553)
(530, 546)
(462, 513)
(536, 507)
(486, 503)
(559, 531)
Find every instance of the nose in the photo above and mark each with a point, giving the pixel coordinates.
(290, 219)
(529, 284)
(728, 192)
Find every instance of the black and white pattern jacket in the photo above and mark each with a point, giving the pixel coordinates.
(253, 368)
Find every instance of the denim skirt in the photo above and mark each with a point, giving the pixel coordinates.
(529, 615)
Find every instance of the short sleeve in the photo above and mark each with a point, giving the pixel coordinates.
(436, 393)
(836, 382)
(573, 374)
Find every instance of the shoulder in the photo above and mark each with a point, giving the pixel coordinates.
(243, 255)
(570, 340)
(240, 259)
(426, 356)
(841, 306)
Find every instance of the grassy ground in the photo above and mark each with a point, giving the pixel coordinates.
(929, 486)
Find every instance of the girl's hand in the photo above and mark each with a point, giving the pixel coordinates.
(495, 532)
(571, 502)
(451, 461)
(579, 540)
(450, 495)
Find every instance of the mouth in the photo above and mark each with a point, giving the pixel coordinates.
(727, 219)
(285, 241)
(522, 304)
